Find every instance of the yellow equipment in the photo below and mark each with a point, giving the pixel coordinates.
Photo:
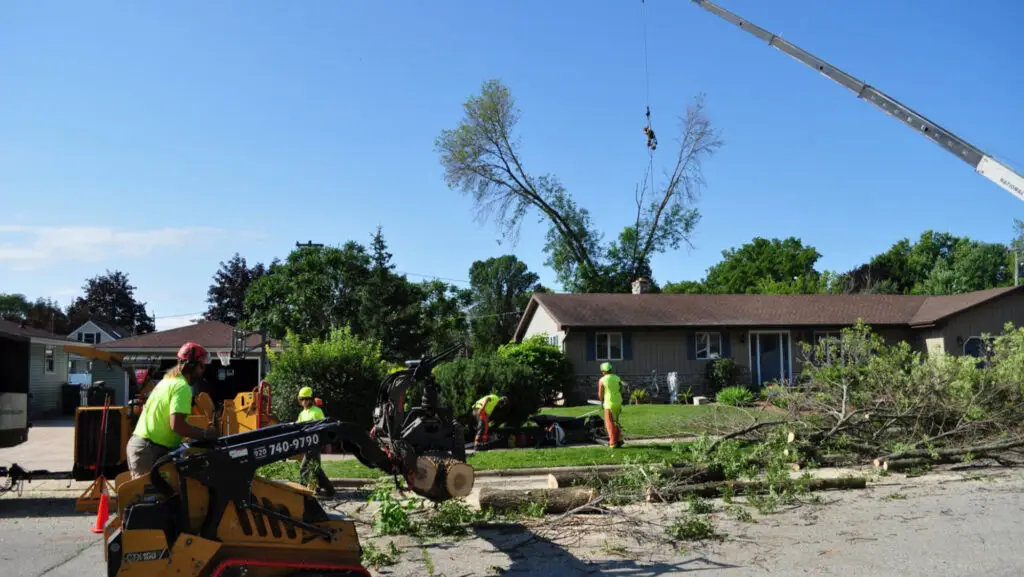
(201, 511)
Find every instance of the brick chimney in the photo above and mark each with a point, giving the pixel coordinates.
(641, 285)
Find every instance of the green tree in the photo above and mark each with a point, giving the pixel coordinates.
(937, 263)
(445, 322)
(110, 297)
(46, 314)
(343, 370)
(481, 157)
(389, 306)
(748, 268)
(501, 287)
(14, 307)
(685, 287)
(316, 290)
(551, 367)
(226, 295)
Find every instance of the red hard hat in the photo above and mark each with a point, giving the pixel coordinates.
(193, 352)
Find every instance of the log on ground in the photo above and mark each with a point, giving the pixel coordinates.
(553, 500)
(716, 489)
(691, 474)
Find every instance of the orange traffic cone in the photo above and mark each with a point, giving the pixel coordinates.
(102, 514)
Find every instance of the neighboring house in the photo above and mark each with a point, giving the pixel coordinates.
(158, 351)
(647, 336)
(93, 332)
(33, 361)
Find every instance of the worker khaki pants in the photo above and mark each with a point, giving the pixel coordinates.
(142, 455)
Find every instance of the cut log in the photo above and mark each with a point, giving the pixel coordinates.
(691, 474)
(458, 478)
(553, 500)
(426, 474)
(712, 490)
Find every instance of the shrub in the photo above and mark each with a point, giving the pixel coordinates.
(735, 396)
(638, 397)
(344, 370)
(464, 381)
(721, 373)
(551, 367)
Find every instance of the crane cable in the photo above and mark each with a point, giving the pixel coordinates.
(652, 140)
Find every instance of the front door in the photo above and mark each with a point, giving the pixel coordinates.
(769, 357)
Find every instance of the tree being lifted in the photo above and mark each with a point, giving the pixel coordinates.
(481, 157)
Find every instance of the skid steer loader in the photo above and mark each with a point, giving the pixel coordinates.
(203, 512)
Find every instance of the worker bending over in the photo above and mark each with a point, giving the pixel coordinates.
(483, 409)
(162, 423)
(609, 391)
(311, 464)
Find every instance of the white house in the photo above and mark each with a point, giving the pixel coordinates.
(93, 332)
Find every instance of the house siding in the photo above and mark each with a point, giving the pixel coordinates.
(44, 387)
(543, 324)
(987, 318)
(112, 376)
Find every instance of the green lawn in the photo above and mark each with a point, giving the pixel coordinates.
(503, 460)
(656, 421)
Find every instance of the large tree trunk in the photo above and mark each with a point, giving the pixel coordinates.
(553, 500)
(712, 490)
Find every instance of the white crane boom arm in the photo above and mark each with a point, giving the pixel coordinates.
(983, 164)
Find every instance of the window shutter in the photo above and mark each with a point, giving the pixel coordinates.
(691, 346)
(726, 345)
(591, 346)
(627, 346)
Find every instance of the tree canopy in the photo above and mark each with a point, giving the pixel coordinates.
(226, 296)
(500, 287)
(937, 263)
(110, 298)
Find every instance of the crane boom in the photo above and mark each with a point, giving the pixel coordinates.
(984, 164)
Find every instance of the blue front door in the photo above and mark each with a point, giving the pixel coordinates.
(769, 357)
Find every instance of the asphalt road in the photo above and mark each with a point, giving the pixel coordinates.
(948, 525)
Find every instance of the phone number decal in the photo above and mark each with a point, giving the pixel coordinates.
(297, 444)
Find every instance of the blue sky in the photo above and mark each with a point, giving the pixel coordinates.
(160, 138)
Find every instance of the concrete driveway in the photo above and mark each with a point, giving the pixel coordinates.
(50, 446)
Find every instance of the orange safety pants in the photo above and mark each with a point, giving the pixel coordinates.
(481, 427)
(611, 423)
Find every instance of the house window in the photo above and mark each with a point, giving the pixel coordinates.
(80, 337)
(50, 360)
(832, 340)
(90, 338)
(709, 346)
(609, 347)
(553, 340)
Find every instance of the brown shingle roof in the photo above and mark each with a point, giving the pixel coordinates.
(211, 334)
(15, 330)
(662, 310)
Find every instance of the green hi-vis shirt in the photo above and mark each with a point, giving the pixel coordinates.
(311, 414)
(170, 396)
(487, 404)
(612, 391)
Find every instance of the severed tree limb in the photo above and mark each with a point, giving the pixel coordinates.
(712, 490)
(693, 474)
(977, 450)
(744, 431)
(553, 500)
